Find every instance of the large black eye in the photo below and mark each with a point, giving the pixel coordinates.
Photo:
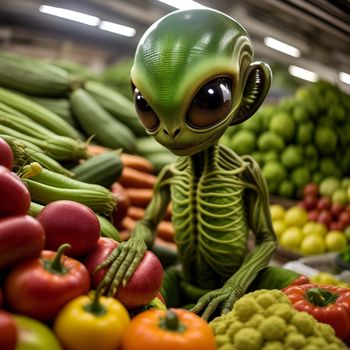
(211, 104)
(145, 112)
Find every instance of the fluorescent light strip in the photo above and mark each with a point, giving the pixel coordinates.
(183, 4)
(303, 73)
(281, 46)
(117, 28)
(344, 77)
(69, 14)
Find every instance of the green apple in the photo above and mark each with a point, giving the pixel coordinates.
(335, 241)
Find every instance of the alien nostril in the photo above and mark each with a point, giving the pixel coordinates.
(177, 131)
(165, 132)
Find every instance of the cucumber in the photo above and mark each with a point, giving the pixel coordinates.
(97, 122)
(33, 77)
(118, 105)
(103, 169)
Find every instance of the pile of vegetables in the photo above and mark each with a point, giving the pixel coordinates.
(267, 320)
(39, 99)
(303, 138)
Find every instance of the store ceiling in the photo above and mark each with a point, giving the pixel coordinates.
(320, 29)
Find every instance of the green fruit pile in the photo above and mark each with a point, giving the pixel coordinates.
(303, 138)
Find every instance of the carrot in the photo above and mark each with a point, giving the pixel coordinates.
(137, 162)
(124, 235)
(94, 150)
(136, 213)
(127, 224)
(139, 197)
(137, 179)
(165, 230)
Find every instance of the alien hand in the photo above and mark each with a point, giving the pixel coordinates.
(222, 298)
(123, 261)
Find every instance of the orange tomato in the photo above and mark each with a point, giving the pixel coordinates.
(171, 329)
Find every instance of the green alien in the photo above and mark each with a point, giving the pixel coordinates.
(193, 77)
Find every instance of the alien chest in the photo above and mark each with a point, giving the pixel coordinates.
(210, 222)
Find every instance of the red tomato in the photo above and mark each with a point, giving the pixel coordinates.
(324, 203)
(311, 189)
(8, 331)
(15, 197)
(40, 287)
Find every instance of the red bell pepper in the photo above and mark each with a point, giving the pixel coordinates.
(327, 303)
(39, 288)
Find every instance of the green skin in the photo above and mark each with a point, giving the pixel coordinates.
(217, 196)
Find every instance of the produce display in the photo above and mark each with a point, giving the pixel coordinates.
(267, 320)
(301, 139)
(124, 226)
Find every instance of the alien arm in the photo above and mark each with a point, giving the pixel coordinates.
(146, 227)
(259, 219)
(123, 261)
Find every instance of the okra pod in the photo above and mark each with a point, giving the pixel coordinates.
(24, 153)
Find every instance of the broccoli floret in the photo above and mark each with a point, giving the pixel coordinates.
(246, 307)
(248, 339)
(272, 328)
(304, 322)
(222, 339)
(233, 328)
(273, 345)
(255, 320)
(266, 299)
(281, 310)
(295, 340)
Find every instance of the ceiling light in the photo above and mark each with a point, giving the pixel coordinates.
(281, 46)
(302, 73)
(183, 4)
(69, 14)
(344, 77)
(117, 28)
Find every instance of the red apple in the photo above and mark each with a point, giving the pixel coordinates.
(344, 218)
(337, 226)
(66, 221)
(144, 284)
(325, 217)
(324, 203)
(8, 331)
(310, 202)
(336, 209)
(313, 215)
(311, 189)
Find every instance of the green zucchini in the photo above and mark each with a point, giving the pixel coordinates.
(37, 113)
(102, 169)
(97, 122)
(48, 186)
(117, 105)
(33, 77)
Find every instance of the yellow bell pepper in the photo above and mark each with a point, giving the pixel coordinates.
(85, 324)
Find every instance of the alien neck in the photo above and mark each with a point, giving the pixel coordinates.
(201, 160)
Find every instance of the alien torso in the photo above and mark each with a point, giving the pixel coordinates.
(209, 215)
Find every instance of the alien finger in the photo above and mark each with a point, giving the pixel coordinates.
(112, 275)
(114, 254)
(132, 267)
(212, 306)
(228, 305)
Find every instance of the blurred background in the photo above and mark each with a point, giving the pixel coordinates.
(317, 32)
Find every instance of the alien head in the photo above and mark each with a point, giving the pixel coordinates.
(193, 77)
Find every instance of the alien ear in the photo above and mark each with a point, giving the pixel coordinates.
(255, 90)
